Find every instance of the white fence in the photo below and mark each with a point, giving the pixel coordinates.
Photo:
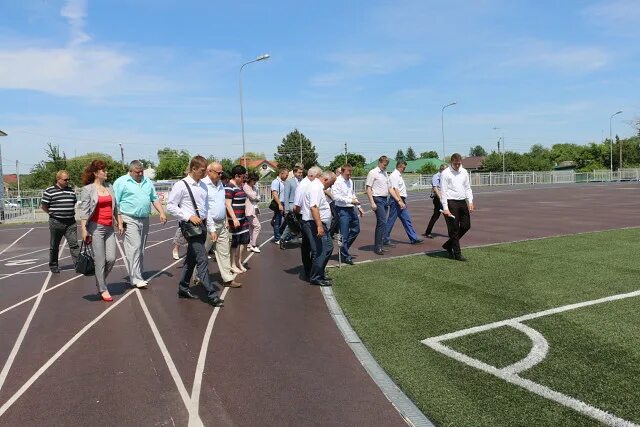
(27, 209)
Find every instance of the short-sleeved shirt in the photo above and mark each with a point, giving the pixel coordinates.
(277, 185)
(378, 180)
(238, 199)
(61, 202)
(134, 198)
(300, 191)
(216, 195)
(314, 196)
(396, 181)
(435, 180)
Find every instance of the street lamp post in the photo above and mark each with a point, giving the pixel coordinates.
(442, 118)
(611, 141)
(259, 58)
(1, 183)
(503, 148)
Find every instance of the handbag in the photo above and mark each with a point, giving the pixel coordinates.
(85, 264)
(274, 205)
(188, 228)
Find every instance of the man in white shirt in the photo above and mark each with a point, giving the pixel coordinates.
(457, 204)
(181, 206)
(398, 202)
(316, 217)
(378, 194)
(346, 203)
(305, 248)
(220, 239)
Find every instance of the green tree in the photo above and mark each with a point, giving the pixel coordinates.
(288, 152)
(43, 174)
(77, 165)
(147, 163)
(355, 160)
(477, 151)
(429, 155)
(428, 169)
(172, 163)
(411, 155)
(400, 155)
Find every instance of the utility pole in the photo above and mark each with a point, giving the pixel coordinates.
(300, 139)
(121, 154)
(620, 142)
(346, 159)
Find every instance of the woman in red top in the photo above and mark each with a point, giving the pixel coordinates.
(98, 213)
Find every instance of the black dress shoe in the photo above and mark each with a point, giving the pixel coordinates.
(348, 261)
(321, 283)
(327, 279)
(55, 270)
(378, 252)
(186, 294)
(459, 257)
(449, 250)
(216, 301)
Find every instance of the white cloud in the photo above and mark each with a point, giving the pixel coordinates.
(76, 12)
(615, 16)
(354, 65)
(568, 59)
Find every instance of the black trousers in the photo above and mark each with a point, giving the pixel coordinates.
(459, 226)
(436, 214)
(305, 248)
(57, 229)
(197, 259)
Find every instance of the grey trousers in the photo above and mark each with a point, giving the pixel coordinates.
(135, 239)
(103, 243)
(222, 249)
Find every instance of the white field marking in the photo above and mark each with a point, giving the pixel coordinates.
(259, 246)
(197, 379)
(188, 403)
(16, 241)
(65, 282)
(68, 256)
(29, 272)
(533, 387)
(535, 356)
(23, 333)
(18, 256)
(69, 343)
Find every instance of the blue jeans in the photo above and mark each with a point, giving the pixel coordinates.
(405, 219)
(381, 220)
(349, 228)
(321, 250)
(278, 225)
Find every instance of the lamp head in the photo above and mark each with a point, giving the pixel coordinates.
(263, 57)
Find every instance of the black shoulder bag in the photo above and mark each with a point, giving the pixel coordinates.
(85, 264)
(188, 228)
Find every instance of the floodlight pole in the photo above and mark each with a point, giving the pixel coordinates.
(611, 142)
(244, 152)
(2, 183)
(442, 120)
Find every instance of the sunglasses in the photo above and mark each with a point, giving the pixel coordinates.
(65, 180)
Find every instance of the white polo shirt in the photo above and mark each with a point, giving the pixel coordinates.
(300, 190)
(378, 180)
(396, 181)
(315, 197)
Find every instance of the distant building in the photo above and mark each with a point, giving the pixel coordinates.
(473, 163)
(413, 166)
(150, 173)
(8, 180)
(263, 166)
(566, 166)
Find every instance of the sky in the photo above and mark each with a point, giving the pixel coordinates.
(90, 75)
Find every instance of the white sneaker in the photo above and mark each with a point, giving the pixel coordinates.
(142, 284)
(255, 249)
(175, 254)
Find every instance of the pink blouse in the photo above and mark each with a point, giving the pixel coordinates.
(252, 200)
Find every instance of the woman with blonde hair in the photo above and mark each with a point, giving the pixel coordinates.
(251, 208)
(98, 217)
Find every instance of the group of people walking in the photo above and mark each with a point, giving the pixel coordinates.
(219, 216)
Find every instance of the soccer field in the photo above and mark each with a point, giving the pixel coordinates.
(543, 332)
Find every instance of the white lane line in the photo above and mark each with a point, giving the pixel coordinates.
(259, 246)
(27, 254)
(23, 332)
(65, 282)
(188, 403)
(15, 241)
(197, 379)
(68, 256)
(69, 343)
(27, 272)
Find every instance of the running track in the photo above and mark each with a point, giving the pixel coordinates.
(271, 356)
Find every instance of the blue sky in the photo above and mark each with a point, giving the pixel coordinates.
(88, 75)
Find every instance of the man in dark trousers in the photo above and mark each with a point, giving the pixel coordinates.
(457, 204)
(59, 201)
(437, 204)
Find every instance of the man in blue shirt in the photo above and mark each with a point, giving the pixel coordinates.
(437, 205)
(290, 186)
(277, 194)
(217, 216)
(135, 194)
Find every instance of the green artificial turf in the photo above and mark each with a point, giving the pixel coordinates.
(594, 351)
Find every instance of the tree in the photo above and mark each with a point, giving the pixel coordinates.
(147, 163)
(477, 151)
(172, 163)
(429, 155)
(355, 160)
(428, 169)
(43, 174)
(411, 155)
(288, 152)
(250, 155)
(400, 155)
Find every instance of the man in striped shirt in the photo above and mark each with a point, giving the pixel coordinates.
(59, 201)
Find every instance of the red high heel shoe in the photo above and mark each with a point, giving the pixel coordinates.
(107, 299)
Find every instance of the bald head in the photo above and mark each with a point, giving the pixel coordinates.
(214, 171)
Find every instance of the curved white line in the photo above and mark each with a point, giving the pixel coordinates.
(538, 351)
